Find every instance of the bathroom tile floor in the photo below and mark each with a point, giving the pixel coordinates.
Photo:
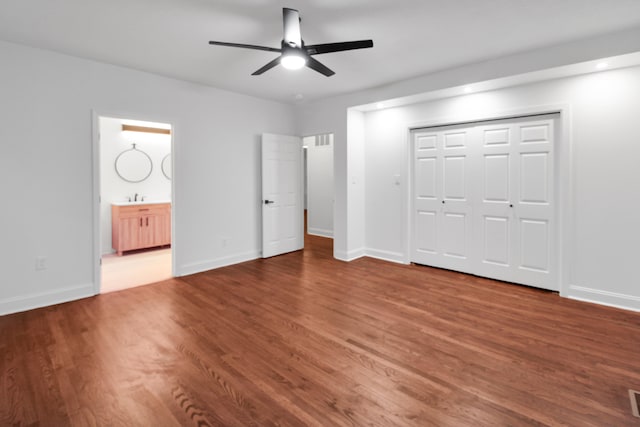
(135, 269)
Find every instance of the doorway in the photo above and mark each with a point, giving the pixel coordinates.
(319, 197)
(135, 187)
(297, 191)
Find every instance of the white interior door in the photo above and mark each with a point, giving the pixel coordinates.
(282, 195)
(483, 200)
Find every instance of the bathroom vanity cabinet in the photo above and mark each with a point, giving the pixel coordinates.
(140, 225)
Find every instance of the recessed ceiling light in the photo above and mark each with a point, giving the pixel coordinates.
(601, 65)
(467, 89)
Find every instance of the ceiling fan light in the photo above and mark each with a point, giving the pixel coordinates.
(293, 61)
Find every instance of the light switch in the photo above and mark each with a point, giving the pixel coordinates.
(41, 263)
(396, 179)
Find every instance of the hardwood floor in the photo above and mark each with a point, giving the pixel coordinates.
(303, 339)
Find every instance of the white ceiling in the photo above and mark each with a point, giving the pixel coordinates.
(411, 37)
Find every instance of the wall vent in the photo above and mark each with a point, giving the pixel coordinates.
(322, 140)
(635, 402)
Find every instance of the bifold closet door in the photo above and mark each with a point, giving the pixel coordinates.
(483, 200)
(514, 221)
(442, 206)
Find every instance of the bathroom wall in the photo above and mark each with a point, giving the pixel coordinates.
(113, 141)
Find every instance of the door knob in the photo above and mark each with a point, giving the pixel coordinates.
(267, 202)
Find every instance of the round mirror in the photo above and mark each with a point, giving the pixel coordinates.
(166, 166)
(133, 165)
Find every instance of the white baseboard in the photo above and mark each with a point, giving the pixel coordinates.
(320, 232)
(597, 296)
(397, 257)
(198, 267)
(43, 299)
(348, 256)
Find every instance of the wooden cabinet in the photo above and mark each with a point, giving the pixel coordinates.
(140, 226)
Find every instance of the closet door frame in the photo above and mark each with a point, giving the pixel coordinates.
(563, 172)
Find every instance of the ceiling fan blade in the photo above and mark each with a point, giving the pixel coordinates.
(316, 65)
(318, 49)
(246, 46)
(267, 67)
(291, 24)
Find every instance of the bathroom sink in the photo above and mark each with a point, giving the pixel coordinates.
(146, 202)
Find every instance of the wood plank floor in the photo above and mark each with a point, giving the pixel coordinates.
(303, 339)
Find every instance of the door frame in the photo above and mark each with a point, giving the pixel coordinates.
(564, 181)
(96, 185)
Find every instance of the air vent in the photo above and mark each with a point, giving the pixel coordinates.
(635, 402)
(322, 140)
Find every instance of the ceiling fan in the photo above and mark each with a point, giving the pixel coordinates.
(294, 53)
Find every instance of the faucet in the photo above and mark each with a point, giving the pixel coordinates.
(135, 198)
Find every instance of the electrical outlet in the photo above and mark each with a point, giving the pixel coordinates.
(225, 242)
(41, 263)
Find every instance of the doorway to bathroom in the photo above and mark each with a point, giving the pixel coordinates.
(135, 187)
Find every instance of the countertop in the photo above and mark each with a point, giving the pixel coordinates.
(146, 202)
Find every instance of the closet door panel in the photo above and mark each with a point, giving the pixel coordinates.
(426, 178)
(534, 178)
(496, 171)
(494, 213)
(426, 196)
(534, 245)
(497, 243)
(441, 211)
(455, 186)
(534, 210)
(455, 239)
(426, 232)
(456, 138)
(454, 235)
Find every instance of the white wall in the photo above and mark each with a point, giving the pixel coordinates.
(157, 186)
(320, 186)
(385, 160)
(604, 111)
(46, 106)
(603, 107)
(330, 115)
